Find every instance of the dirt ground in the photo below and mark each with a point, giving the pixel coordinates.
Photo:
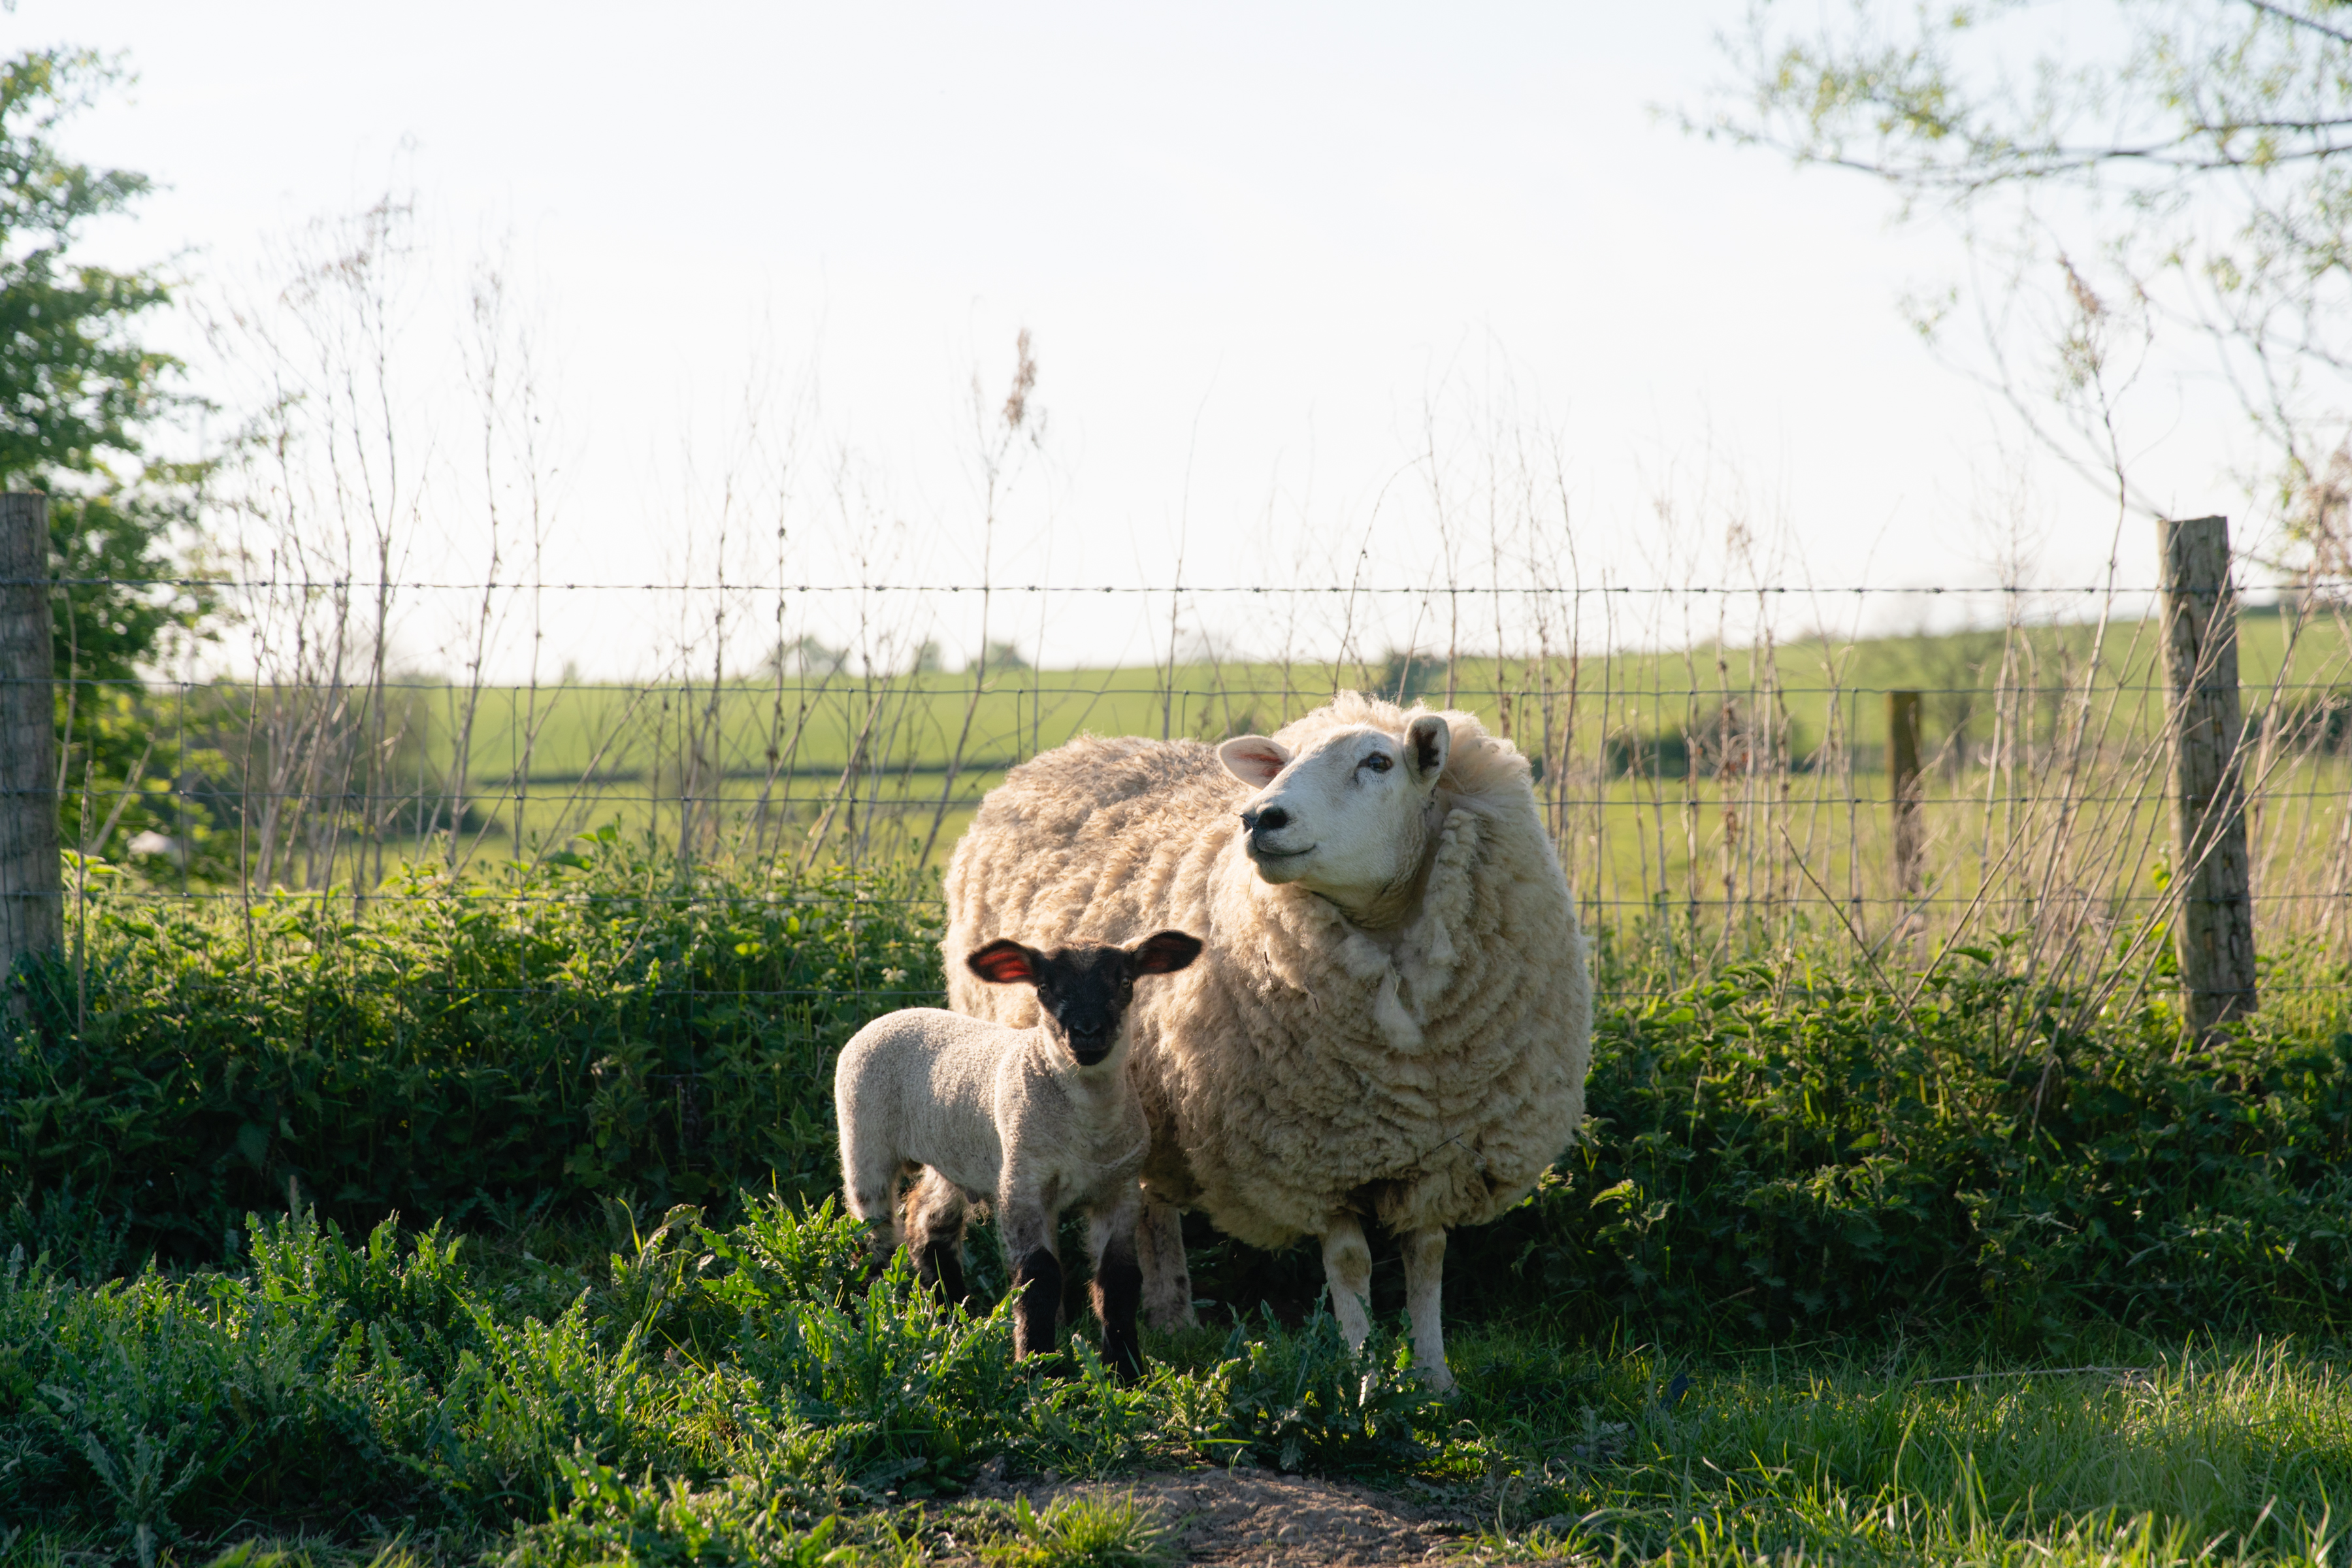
(1261, 1518)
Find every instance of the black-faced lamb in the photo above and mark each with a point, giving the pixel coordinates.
(1032, 1120)
(1392, 1019)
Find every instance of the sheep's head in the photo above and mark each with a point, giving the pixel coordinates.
(1083, 989)
(1349, 817)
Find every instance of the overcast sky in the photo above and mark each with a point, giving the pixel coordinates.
(1257, 249)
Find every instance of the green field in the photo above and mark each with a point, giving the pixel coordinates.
(1736, 786)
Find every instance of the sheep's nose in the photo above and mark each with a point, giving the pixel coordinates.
(1271, 820)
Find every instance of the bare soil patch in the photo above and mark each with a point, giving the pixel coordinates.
(1237, 1517)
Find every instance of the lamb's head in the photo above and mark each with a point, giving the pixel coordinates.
(1083, 989)
(1350, 816)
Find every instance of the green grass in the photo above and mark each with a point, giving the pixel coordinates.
(633, 729)
(858, 769)
(1082, 1532)
(723, 1395)
(1917, 1454)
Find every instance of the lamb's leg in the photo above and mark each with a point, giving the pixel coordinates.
(936, 1215)
(1425, 1275)
(1167, 1282)
(1347, 1266)
(1118, 1283)
(870, 1187)
(1037, 1272)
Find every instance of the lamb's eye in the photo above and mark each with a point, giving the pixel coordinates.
(1378, 762)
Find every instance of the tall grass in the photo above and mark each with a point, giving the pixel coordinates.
(745, 1393)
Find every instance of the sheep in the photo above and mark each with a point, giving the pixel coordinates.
(1393, 1017)
(1031, 1120)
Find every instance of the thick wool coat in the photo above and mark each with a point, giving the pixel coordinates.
(1421, 1077)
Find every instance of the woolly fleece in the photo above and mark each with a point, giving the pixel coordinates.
(1420, 1077)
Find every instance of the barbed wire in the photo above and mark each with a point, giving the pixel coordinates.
(353, 584)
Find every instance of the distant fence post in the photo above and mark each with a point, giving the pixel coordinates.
(1903, 775)
(2215, 930)
(32, 889)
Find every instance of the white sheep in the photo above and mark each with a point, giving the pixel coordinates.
(1030, 1120)
(1394, 1016)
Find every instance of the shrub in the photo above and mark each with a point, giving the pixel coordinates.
(1787, 1144)
(602, 1027)
(1785, 1148)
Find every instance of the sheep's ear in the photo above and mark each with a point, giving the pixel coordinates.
(1254, 759)
(1165, 952)
(1426, 742)
(1004, 962)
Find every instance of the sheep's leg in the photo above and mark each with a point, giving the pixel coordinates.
(1347, 1266)
(1425, 1275)
(1036, 1271)
(1118, 1283)
(1167, 1281)
(936, 1216)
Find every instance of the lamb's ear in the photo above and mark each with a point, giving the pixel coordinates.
(1164, 953)
(1426, 746)
(1253, 759)
(1005, 962)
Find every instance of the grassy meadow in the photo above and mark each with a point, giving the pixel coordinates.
(435, 1197)
(1741, 790)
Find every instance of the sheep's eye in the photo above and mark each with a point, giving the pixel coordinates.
(1378, 762)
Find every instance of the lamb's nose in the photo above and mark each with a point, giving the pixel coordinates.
(1271, 820)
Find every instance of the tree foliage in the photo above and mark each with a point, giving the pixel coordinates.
(76, 385)
(2146, 165)
(80, 392)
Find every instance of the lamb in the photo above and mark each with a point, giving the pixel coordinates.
(1031, 1120)
(1393, 1017)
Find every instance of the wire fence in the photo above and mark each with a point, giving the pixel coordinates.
(1718, 784)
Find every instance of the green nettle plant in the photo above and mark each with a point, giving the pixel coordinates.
(600, 1028)
(1305, 1401)
(1787, 1145)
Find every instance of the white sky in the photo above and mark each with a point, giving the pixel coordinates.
(1252, 244)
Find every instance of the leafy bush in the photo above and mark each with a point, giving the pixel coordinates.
(604, 1026)
(1787, 1144)
(1786, 1147)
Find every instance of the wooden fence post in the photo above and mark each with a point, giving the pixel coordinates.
(2215, 927)
(32, 889)
(1903, 775)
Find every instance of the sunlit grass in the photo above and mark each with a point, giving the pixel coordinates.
(1890, 1455)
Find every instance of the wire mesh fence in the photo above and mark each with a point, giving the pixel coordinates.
(1721, 776)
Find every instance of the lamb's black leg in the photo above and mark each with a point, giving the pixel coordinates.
(940, 1268)
(1117, 1289)
(936, 1215)
(1039, 1282)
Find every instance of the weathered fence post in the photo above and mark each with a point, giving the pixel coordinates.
(32, 891)
(2215, 930)
(1903, 775)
